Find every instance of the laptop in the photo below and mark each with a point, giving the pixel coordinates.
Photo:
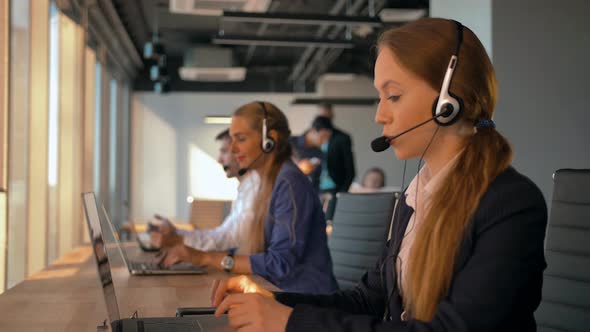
(203, 323)
(145, 266)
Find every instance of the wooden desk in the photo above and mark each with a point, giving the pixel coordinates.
(67, 295)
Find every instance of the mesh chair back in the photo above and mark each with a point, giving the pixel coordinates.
(565, 305)
(361, 224)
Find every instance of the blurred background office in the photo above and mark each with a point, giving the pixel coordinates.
(125, 97)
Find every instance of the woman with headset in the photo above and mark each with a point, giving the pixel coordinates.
(466, 242)
(288, 232)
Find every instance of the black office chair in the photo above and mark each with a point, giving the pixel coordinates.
(360, 227)
(565, 305)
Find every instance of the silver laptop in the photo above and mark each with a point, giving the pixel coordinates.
(146, 265)
(180, 324)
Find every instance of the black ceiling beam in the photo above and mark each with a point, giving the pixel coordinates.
(305, 19)
(323, 30)
(321, 62)
(358, 101)
(284, 42)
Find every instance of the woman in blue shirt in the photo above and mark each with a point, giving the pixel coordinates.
(288, 232)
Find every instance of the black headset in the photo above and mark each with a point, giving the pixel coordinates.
(267, 143)
(447, 103)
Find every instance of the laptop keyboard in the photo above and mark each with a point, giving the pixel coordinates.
(145, 266)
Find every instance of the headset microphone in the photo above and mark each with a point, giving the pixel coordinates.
(381, 144)
(244, 170)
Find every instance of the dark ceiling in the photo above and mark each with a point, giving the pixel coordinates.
(269, 68)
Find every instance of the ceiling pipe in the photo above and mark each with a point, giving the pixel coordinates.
(281, 42)
(296, 76)
(260, 32)
(301, 19)
(310, 49)
(325, 63)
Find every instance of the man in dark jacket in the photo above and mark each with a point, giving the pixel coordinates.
(338, 164)
(337, 171)
(339, 156)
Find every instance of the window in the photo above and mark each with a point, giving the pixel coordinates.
(20, 27)
(4, 37)
(65, 134)
(53, 135)
(113, 142)
(97, 127)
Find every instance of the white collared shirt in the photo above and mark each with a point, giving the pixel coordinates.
(418, 197)
(235, 229)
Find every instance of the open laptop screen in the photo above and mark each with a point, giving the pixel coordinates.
(99, 248)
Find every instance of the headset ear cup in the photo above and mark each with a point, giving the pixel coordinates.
(455, 113)
(440, 123)
(268, 144)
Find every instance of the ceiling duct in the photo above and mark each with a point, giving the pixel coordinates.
(210, 64)
(216, 7)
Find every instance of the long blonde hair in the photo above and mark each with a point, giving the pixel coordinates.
(424, 47)
(277, 121)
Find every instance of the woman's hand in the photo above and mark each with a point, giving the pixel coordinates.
(181, 253)
(235, 285)
(250, 307)
(254, 312)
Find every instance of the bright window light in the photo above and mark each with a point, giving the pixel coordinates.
(53, 125)
(225, 120)
(208, 180)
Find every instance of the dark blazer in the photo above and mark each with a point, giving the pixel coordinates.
(496, 284)
(340, 160)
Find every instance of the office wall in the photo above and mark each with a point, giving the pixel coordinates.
(169, 129)
(475, 14)
(541, 52)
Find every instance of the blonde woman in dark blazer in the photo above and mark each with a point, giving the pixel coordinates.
(466, 247)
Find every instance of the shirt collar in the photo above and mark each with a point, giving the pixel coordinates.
(249, 179)
(428, 184)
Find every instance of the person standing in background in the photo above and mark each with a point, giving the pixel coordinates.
(338, 169)
(308, 156)
(339, 156)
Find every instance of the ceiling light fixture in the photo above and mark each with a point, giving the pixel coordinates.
(224, 120)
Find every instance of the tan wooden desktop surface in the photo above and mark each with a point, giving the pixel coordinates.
(67, 296)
